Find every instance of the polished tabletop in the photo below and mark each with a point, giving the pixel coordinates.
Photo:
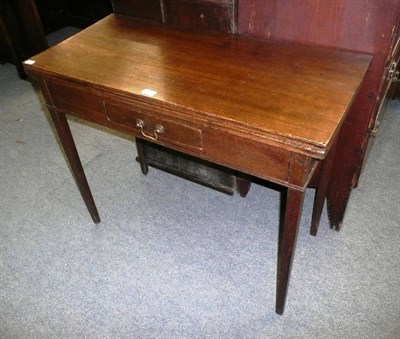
(289, 94)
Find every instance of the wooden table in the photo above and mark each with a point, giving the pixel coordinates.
(266, 109)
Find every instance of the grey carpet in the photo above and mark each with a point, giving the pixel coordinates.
(173, 259)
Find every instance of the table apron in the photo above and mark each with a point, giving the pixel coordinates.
(183, 133)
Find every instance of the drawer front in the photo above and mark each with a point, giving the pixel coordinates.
(79, 101)
(153, 127)
(255, 158)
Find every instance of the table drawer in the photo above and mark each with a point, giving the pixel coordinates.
(154, 127)
(249, 156)
(80, 101)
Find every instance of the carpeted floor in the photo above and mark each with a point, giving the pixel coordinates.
(172, 259)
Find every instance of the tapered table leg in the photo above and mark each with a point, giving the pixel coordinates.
(243, 186)
(287, 244)
(67, 141)
(142, 158)
(321, 190)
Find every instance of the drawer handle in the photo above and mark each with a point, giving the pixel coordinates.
(158, 129)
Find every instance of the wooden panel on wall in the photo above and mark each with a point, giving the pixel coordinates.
(354, 25)
(148, 9)
(215, 15)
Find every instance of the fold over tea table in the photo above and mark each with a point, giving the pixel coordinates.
(270, 110)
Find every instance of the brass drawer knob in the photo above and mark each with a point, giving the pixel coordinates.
(158, 129)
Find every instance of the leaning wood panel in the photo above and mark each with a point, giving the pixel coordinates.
(148, 9)
(361, 25)
(215, 15)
